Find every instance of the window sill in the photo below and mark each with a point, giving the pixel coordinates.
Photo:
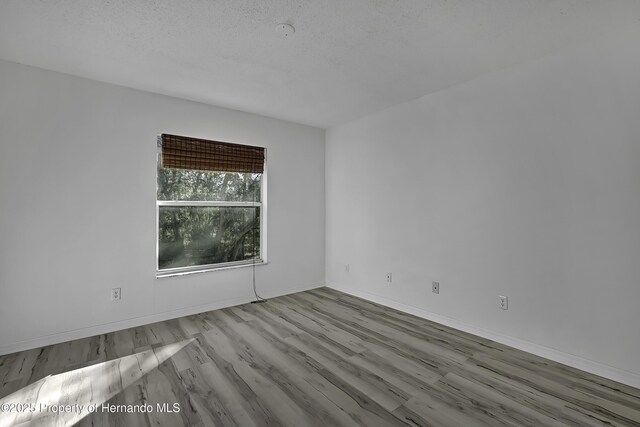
(186, 271)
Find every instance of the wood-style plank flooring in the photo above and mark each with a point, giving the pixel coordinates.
(316, 358)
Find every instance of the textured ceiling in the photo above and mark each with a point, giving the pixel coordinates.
(346, 59)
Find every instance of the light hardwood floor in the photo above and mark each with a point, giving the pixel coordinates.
(316, 358)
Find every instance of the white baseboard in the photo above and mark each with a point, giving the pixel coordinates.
(616, 374)
(105, 328)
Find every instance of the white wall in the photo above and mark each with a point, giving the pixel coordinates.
(524, 182)
(77, 213)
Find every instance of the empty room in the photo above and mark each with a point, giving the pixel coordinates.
(319, 213)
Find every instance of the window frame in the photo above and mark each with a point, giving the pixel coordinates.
(262, 204)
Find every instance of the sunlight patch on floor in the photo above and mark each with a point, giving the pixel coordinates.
(43, 403)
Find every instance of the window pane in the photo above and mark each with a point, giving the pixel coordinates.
(191, 235)
(182, 184)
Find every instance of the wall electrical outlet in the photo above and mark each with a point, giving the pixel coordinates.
(504, 302)
(347, 268)
(388, 277)
(116, 294)
(435, 287)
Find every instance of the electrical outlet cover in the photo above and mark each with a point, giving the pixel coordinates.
(435, 287)
(504, 302)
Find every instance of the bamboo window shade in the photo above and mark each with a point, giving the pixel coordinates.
(182, 152)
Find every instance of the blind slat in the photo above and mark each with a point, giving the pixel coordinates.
(182, 152)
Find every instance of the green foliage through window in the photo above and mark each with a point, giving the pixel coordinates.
(195, 234)
(183, 184)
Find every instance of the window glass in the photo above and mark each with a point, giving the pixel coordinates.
(197, 235)
(183, 184)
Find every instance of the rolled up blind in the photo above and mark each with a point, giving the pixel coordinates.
(183, 152)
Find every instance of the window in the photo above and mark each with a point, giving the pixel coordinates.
(210, 207)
